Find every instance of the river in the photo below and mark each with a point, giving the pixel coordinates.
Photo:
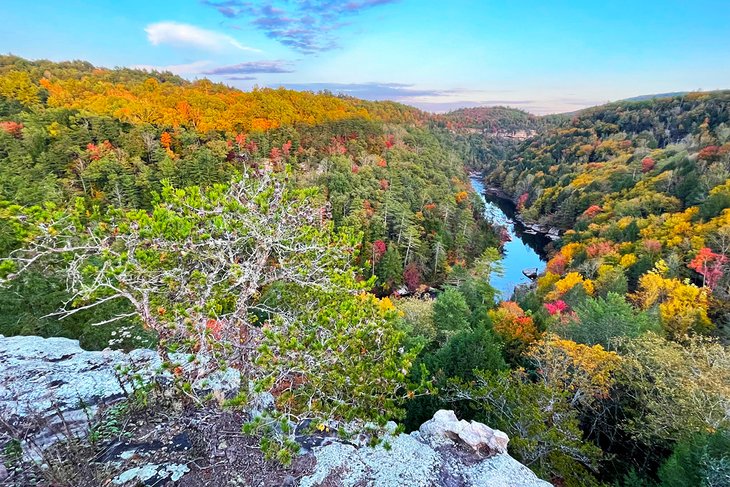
(523, 251)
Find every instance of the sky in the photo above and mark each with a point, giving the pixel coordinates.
(540, 56)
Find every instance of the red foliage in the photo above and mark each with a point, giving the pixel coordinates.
(557, 264)
(275, 155)
(710, 266)
(522, 200)
(252, 147)
(384, 184)
(556, 307)
(337, 146)
(709, 153)
(592, 211)
(379, 249)
(286, 148)
(430, 206)
(653, 246)
(412, 277)
(13, 128)
(382, 162)
(96, 152)
(355, 169)
(215, 327)
(389, 141)
(600, 249)
(241, 140)
(647, 164)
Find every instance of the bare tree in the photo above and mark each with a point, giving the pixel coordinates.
(194, 268)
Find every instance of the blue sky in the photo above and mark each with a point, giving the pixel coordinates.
(541, 56)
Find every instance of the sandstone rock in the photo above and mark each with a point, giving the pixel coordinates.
(480, 437)
(436, 455)
(52, 387)
(152, 474)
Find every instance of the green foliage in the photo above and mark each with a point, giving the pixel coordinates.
(544, 429)
(451, 313)
(340, 361)
(417, 322)
(676, 390)
(111, 425)
(600, 320)
(702, 460)
(390, 270)
(466, 352)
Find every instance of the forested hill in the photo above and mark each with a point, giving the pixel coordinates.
(140, 97)
(494, 120)
(625, 151)
(111, 136)
(486, 135)
(643, 192)
(274, 234)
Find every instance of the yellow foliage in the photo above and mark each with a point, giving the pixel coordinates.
(589, 287)
(682, 305)
(565, 284)
(385, 304)
(586, 371)
(18, 85)
(628, 260)
(569, 250)
(545, 282)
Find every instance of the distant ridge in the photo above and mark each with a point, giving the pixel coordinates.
(656, 95)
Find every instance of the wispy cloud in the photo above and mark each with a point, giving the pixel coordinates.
(305, 25)
(368, 91)
(186, 35)
(240, 78)
(253, 67)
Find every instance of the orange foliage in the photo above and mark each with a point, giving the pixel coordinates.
(513, 325)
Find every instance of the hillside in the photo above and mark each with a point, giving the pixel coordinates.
(310, 269)
(71, 130)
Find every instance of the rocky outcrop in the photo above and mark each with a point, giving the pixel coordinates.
(51, 387)
(532, 228)
(444, 452)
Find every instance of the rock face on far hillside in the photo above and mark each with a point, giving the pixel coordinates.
(444, 452)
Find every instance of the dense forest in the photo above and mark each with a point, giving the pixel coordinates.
(332, 250)
(111, 137)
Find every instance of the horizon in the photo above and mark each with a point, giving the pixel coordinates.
(542, 59)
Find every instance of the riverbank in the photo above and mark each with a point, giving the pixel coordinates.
(531, 228)
(523, 250)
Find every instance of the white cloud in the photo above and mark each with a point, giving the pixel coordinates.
(195, 67)
(186, 35)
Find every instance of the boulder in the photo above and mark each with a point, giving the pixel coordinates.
(444, 452)
(444, 426)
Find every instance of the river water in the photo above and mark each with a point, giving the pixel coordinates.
(523, 251)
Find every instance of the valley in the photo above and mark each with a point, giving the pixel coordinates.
(325, 273)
